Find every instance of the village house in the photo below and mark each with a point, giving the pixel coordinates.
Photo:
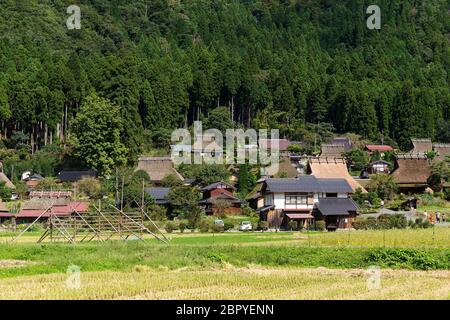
(333, 168)
(443, 151)
(31, 180)
(382, 149)
(158, 168)
(73, 176)
(219, 196)
(285, 168)
(346, 142)
(5, 179)
(329, 150)
(159, 195)
(206, 145)
(307, 199)
(421, 146)
(378, 167)
(411, 172)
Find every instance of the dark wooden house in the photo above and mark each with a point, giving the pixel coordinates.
(219, 196)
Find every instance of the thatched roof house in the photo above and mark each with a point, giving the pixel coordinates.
(5, 179)
(412, 172)
(284, 169)
(347, 142)
(158, 168)
(443, 151)
(421, 146)
(3, 207)
(332, 150)
(333, 168)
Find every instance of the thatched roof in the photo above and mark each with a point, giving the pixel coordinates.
(8, 182)
(333, 168)
(412, 169)
(158, 167)
(443, 150)
(421, 146)
(284, 166)
(332, 150)
(3, 207)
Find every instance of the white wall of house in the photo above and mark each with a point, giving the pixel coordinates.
(279, 200)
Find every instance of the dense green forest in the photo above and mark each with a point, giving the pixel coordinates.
(282, 64)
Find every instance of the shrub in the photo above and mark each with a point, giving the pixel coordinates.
(293, 225)
(170, 227)
(385, 221)
(263, 225)
(217, 228)
(228, 225)
(182, 226)
(426, 224)
(89, 187)
(204, 226)
(320, 225)
(249, 212)
(401, 258)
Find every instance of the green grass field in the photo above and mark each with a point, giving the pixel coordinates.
(215, 266)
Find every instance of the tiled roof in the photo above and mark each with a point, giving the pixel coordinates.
(73, 176)
(308, 184)
(159, 194)
(216, 185)
(336, 206)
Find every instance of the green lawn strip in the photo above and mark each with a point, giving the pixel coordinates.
(117, 256)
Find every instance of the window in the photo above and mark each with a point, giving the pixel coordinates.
(332, 195)
(296, 198)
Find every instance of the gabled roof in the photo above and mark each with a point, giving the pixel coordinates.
(412, 169)
(332, 150)
(443, 150)
(335, 186)
(217, 185)
(222, 196)
(302, 184)
(158, 167)
(379, 162)
(421, 145)
(284, 166)
(346, 142)
(6, 180)
(334, 168)
(35, 176)
(380, 148)
(281, 144)
(308, 184)
(336, 206)
(3, 207)
(159, 194)
(207, 143)
(74, 176)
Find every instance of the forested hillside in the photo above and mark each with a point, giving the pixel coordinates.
(272, 63)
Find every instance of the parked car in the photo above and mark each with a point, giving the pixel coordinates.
(14, 196)
(245, 226)
(219, 223)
